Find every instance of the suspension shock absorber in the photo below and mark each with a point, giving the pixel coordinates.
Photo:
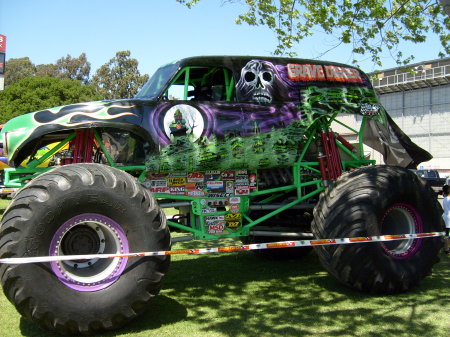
(88, 146)
(329, 159)
(82, 146)
(323, 158)
(336, 158)
(331, 162)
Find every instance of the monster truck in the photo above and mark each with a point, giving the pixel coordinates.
(242, 147)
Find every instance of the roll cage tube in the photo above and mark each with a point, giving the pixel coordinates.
(201, 76)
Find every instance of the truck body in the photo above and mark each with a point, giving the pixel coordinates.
(242, 147)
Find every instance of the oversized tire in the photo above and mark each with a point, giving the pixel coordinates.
(83, 209)
(371, 201)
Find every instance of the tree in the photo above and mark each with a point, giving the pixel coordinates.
(446, 6)
(47, 70)
(18, 68)
(367, 26)
(74, 68)
(120, 77)
(37, 93)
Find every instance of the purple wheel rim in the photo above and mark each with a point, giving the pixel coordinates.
(402, 218)
(89, 233)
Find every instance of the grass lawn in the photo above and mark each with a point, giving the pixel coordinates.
(241, 294)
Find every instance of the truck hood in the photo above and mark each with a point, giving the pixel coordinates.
(22, 129)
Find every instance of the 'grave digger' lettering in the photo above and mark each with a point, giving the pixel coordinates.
(305, 72)
(342, 74)
(316, 72)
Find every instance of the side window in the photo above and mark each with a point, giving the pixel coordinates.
(202, 84)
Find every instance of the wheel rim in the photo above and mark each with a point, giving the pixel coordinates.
(401, 218)
(89, 233)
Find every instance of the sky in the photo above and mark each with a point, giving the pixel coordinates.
(155, 31)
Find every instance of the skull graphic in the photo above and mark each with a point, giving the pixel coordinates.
(257, 82)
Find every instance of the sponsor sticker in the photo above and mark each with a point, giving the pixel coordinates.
(214, 185)
(195, 193)
(195, 177)
(228, 175)
(368, 109)
(242, 190)
(219, 195)
(215, 224)
(177, 181)
(159, 189)
(178, 174)
(177, 190)
(233, 224)
(234, 208)
(252, 181)
(233, 217)
(235, 200)
(209, 219)
(158, 183)
(209, 210)
(216, 228)
(212, 175)
(242, 177)
(229, 187)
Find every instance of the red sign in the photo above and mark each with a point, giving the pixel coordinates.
(2, 43)
(2, 63)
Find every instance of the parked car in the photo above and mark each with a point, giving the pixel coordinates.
(432, 178)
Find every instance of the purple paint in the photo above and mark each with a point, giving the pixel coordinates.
(114, 233)
(411, 246)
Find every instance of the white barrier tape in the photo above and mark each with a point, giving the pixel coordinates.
(253, 246)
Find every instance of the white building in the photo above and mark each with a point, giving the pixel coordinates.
(418, 99)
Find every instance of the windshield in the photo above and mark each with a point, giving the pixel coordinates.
(154, 86)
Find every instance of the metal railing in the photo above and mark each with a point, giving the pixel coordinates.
(418, 77)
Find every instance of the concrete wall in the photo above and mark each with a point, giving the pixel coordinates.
(424, 115)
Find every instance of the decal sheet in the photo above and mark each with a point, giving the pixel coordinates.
(219, 185)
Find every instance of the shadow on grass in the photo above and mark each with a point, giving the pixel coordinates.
(244, 295)
(241, 294)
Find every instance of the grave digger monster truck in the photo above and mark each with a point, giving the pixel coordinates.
(242, 147)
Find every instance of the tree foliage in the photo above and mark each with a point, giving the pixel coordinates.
(368, 27)
(47, 70)
(75, 68)
(120, 77)
(37, 93)
(18, 68)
